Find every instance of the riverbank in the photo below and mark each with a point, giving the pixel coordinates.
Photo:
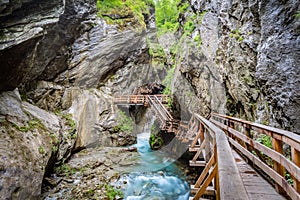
(89, 174)
(134, 172)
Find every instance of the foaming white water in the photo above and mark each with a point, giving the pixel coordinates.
(158, 186)
(156, 178)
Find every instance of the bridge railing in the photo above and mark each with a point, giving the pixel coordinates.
(156, 102)
(273, 160)
(220, 165)
(158, 109)
(139, 99)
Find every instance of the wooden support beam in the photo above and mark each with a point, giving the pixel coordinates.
(200, 135)
(199, 151)
(197, 163)
(208, 149)
(210, 191)
(210, 163)
(206, 182)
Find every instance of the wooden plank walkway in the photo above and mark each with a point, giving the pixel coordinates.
(256, 187)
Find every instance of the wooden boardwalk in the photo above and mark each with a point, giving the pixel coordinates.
(256, 187)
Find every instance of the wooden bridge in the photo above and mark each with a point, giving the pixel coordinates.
(235, 165)
(156, 103)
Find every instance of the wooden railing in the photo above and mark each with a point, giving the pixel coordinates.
(168, 123)
(139, 99)
(220, 166)
(159, 109)
(156, 103)
(274, 161)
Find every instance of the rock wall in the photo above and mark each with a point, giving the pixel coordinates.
(247, 64)
(36, 37)
(277, 70)
(31, 139)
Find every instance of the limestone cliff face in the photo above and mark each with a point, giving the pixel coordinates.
(31, 139)
(36, 37)
(277, 70)
(248, 59)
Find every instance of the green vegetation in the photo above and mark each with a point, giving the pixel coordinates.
(31, 125)
(297, 15)
(65, 170)
(189, 27)
(155, 141)
(158, 56)
(111, 192)
(156, 50)
(198, 39)
(236, 34)
(153, 129)
(125, 123)
(167, 15)
(183, 7)
(54, 138)
(54, 149)
(123, 12)
(265, 140)
(168, 82)
(42, 150)
(288, 177)
(69, 122)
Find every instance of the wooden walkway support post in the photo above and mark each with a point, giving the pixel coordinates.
(278, 146)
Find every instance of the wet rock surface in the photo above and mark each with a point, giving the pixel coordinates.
(29, 141)
(248, 60)
(90, 173)
(36, 38)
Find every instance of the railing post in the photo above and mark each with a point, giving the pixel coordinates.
(248, 134)
(207, 145)
(201, 129)
(277, 146)
(216, 179)
(296, 159)
(230, 124)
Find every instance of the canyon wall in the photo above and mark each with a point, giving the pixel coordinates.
(247, 63)
(61, 64)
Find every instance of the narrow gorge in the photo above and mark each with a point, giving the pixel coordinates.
(63, 62)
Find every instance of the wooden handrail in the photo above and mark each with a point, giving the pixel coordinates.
(290, 138)
(224, 169)
(161, 107)
(140, 99)
(240, 136)
(155, 105)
